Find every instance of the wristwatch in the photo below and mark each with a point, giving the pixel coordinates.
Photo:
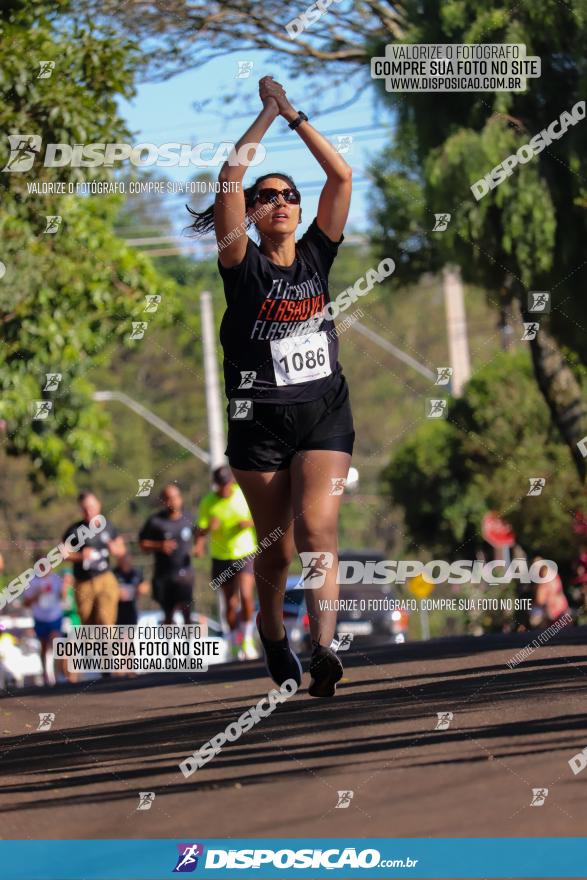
(301, 117)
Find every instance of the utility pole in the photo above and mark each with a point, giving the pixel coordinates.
(212, 386)
(456, 325)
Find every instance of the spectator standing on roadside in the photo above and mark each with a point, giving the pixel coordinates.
(96, 588)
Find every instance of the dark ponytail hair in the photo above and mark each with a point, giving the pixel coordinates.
(204, 220)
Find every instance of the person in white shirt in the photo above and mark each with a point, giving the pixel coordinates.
(44, 597)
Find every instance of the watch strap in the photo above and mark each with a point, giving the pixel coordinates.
(301, 117)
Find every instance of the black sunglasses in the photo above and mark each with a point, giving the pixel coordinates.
(269, 194)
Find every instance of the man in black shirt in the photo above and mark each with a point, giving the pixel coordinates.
(96, 588)
(169, 535)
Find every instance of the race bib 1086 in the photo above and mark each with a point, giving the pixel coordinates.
(300, 358)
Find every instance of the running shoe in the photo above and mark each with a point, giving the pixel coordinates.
(236, 652)
(249, 650)
(325, 669)
(280, 661)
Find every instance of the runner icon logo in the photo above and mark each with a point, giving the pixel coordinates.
(152, 301)
(53, 223)
(42, 408)
(537, 484)
(338, 484)
(441, 222)
(244, 69)
(345, 143)
(241, 410)
(314, 568)
(443, 375)
(444, 719)
(539, 795)
(46, 69)
(46, 720)
(23, 149)
(146, 799)
(530, 331)
(247, 378)
(436, 409)
(138, 329)
(343, 642)
(52, 381)
(145, 486)
(539, 301)
(187, 860)
(344, 799)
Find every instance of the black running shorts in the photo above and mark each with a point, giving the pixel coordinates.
(269, 440)
(173, 590)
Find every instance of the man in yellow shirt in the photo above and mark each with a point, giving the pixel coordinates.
(224, 514)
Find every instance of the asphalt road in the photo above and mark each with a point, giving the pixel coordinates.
(513, 730)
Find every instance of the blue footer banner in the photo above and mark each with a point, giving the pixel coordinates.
(369, 858)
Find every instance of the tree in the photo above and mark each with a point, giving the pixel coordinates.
(65, 296)
(483, 458)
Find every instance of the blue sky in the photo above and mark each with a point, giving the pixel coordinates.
(164, 112)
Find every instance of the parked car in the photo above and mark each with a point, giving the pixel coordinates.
(369, 624)
(295, 614)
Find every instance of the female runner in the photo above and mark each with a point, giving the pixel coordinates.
(290, 435)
